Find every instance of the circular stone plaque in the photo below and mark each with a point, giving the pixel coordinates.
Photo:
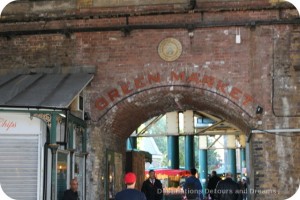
(169, 49)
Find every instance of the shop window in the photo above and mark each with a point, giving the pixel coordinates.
(79, 168)
(114, 174)
(78, 139)
(60, 132)
(63, 175)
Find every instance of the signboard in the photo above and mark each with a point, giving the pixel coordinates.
(19, 123)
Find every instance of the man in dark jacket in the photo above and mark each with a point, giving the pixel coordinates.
(72, 194)
(192, 187)
(228, 189)
(152, 187)
(212, 183)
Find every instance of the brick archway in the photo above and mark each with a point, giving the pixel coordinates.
(128, 113)
(113, 128)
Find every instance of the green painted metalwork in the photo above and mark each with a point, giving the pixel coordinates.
(53, 128)
(33, 111)
(77, 121)
(232, 162)
(53, 171)
(189, 152)
(173, 152)
(70, 135)
(203, 170)
(243, 159)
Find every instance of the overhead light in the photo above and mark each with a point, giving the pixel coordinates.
(63, 115)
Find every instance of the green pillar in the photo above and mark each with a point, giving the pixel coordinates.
(230, 142)
(70, 136)
(71, 147)
(172, 125)
(189, 152)
(203, 170)
(173, 152)
(232, 162)
(243, 159)
(53, 128)
(53, 172)
(131, 143)
(53, 146)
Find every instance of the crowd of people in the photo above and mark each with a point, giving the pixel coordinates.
(152, 189)
(217, 189)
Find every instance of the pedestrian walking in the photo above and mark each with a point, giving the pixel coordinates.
(152, 187)
(192, 187)
(211, 185)
(228, 189)
(130, 193)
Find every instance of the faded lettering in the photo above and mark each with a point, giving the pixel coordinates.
(7, 124)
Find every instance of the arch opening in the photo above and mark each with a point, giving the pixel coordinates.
(129, 113)
(179, 141)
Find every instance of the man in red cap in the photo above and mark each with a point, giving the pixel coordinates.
(130, 193)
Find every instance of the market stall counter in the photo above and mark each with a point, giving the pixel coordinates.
(172, 181)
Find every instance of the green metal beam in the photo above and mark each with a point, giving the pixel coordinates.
(33, 111)
(210, 127)
(203, 170)
(232, 162)
(53, 128)
(243, 158)
(77, 121)
(189, 152)
(173, 152)
(70, 135)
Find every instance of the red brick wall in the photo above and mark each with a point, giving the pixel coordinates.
(265, 63)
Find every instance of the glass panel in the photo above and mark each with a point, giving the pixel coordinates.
(110, 175)
(78, 132)
(114, 180)
(60, 131)
(79, 174)
(62, 173)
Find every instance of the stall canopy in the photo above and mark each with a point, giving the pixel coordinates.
(171, 172)
(41, 90)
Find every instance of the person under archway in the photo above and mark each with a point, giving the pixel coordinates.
(212, 184)
(152, 187)
(130, 193)
(228, 189)
(192, 187)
